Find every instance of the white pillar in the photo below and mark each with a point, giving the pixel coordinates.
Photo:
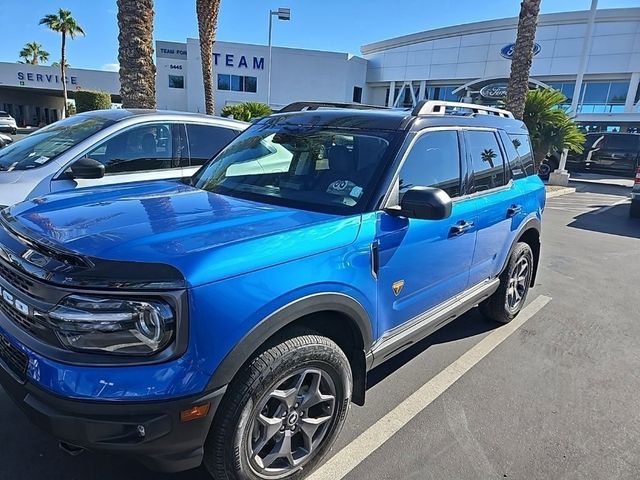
(422, 90)
(392, 93)
(586, 48)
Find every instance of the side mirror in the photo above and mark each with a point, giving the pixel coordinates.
(424, 203)
(87, 168)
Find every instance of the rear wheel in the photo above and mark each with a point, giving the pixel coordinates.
(509, 298)
(283, 411)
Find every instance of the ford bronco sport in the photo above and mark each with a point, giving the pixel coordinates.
(232, 319)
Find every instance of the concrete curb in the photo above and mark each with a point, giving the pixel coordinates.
(562, 191)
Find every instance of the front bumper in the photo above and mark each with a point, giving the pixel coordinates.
(152, 432)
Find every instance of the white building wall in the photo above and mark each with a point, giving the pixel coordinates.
(296, 74)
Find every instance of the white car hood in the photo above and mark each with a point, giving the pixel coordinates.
(15, 187)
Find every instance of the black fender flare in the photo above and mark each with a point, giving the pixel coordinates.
(270, 325)
(535, 224)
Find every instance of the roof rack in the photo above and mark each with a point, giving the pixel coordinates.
(437, 107)
(302, 106)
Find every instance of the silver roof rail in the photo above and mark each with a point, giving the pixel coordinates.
(438, 107)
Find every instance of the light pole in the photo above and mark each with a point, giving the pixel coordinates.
(282, 14)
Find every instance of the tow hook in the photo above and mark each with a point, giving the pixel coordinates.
(72, 450)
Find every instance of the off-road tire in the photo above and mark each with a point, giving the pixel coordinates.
(226, 456)
(495, 307)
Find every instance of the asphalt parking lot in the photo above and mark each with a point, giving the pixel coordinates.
(554, 397)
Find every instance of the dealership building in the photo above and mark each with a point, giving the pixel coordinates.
(468, 62)
(32, 94)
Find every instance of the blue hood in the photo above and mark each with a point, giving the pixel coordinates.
(205, 236)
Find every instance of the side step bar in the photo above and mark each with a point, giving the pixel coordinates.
(425, 324)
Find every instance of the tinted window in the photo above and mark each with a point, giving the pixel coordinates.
(486, 159)
(514, 165)
(327, 169)
(139, 149)
(47, 143)
(523, 146)
(434, 161)
(206, 141)
(623, 142)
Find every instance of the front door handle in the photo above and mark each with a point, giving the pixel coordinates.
(460, 228)
(513, 210)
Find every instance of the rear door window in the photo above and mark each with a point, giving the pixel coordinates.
(486, 159)
(206, 141)
(523, 146)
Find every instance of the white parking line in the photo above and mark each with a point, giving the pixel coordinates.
(604, 209)
(375, 436)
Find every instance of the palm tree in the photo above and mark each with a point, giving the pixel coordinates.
(550, 127)
(33, 53)
(57, 64)
(207, 11)
(65, 24)
(522, 57)
(135, 54)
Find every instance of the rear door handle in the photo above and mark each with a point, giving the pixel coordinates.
(513, 210)
(460, 228)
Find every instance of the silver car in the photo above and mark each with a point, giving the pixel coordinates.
(108, 147)
(8, 123)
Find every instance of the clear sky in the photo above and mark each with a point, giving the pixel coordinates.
(339, 25)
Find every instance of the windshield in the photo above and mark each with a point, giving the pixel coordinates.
(46, 144)
(326, 169)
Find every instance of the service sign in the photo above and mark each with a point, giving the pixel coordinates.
(507, 50)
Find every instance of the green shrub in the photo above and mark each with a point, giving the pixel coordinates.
(88, 100)
(71, 109)
(246, 111)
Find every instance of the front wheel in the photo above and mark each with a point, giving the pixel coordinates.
(509, 298)
(283, 411)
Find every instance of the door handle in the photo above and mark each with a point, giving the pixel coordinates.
(460, 228)
(513, 210)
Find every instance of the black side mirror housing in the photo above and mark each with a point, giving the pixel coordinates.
(87, 168)
(424, 203)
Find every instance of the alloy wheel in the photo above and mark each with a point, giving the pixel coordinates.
(291, 422)
(518, 284)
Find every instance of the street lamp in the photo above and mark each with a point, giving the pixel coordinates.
(282, 14)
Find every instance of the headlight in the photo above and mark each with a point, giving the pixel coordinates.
(111, 325)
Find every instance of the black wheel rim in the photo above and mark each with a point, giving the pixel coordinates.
(518, 284)
(291, 422)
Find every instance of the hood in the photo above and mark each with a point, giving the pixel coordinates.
(205, 236)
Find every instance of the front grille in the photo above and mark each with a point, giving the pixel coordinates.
(16, 280)
(18, 317)
(32, 322)
(14, 358)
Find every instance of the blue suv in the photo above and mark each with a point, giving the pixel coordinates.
(230, 319)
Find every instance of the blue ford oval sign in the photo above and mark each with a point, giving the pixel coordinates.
(507, 50)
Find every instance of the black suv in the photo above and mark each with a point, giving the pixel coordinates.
(606, 152)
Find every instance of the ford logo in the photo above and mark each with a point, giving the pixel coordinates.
(507, 50)
(494, 91)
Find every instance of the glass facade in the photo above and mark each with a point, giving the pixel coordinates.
(237, 83)
(603, 97)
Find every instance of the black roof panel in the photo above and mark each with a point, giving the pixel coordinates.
(388, 119)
